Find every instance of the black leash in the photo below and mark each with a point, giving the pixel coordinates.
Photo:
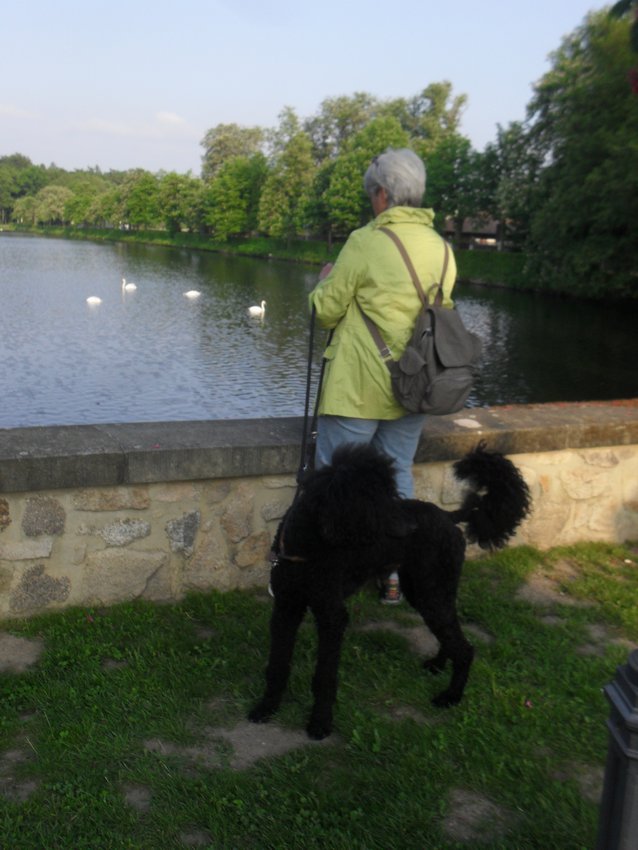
(309, 435)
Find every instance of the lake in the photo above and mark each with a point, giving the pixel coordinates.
(155, 355)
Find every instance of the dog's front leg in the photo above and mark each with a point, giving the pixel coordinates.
(331, 624)
(284, 624)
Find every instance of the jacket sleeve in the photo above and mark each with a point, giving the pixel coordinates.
(333, 295)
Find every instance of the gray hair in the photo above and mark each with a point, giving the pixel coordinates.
(401, 173)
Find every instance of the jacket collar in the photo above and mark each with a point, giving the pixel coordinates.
(401, 215)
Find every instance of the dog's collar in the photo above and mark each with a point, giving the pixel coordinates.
(282, 556)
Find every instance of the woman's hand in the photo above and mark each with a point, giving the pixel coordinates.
(325, 271)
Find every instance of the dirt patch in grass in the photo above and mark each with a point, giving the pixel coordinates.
(420, 639)
(138, 797)
(403, 712)
(473, 817)
(238, 747)
(589, 779)
(600, 637)
(16, 789)
(17, 654)
(196, 838)
(113, 664)
(544, 590)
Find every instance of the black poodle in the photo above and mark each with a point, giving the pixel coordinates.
(347, 525)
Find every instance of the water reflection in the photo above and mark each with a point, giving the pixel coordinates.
(153, 354)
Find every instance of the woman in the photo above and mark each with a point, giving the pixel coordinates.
(357, 404)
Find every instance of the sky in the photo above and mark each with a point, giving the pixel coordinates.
(136, 84)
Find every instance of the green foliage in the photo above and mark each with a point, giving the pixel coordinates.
(226, 141)
(584, 226)
(128, 704)
(430, 117)
(508, 172)
(139, 197)
(346, 203)
(50, 204)
(234, 194)
(286, 189)
(18, 178)
(500, 268)
(452, 187)
(338, 120)
(623, 7)
(177, 200)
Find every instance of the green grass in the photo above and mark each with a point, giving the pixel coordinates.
(532, 721)
(314, 252)
(493, 267)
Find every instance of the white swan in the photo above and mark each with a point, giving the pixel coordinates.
(257, 312)
(93, 299)
(128, 287)
(192, 293)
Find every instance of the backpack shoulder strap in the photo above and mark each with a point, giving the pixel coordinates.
(438, 299)
(381, 344)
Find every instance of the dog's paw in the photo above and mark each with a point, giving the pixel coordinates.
(318, 729)
(261, 713)
(446, 699)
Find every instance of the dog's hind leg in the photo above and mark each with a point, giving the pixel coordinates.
(331, 623)
(454, 646)
(284, 624)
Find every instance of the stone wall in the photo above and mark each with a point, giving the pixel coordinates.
(97, 515)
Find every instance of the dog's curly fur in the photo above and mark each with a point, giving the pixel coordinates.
(348, 525)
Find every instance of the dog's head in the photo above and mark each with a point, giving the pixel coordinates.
(354, 500)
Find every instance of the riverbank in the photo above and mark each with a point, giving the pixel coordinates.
(483, 267)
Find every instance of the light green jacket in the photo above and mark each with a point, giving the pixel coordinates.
(371, 272)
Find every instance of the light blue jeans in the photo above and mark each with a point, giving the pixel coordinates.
(397, 438)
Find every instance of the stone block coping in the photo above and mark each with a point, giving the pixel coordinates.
(58, 457)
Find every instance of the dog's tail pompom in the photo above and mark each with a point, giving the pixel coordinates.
(499, 499)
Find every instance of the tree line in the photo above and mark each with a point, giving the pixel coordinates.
(562, 184)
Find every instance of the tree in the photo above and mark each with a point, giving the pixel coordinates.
(623, 7)
(106, 209)
(139, 196)
(176, 199)
(584, 224)
(18, 177)
(77, 209)
(50, 204)
(286, 190)
(508, 171)
(451, 181)
(346, 202)
(25, 210)
(317, 212)
(234, 196)
(338, 120)
(225, 141)
(429, 117)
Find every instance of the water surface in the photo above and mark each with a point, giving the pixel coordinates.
(154, 355)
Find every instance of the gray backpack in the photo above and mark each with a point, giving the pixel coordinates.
(436, 372)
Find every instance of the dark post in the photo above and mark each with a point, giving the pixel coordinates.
(618, 824)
